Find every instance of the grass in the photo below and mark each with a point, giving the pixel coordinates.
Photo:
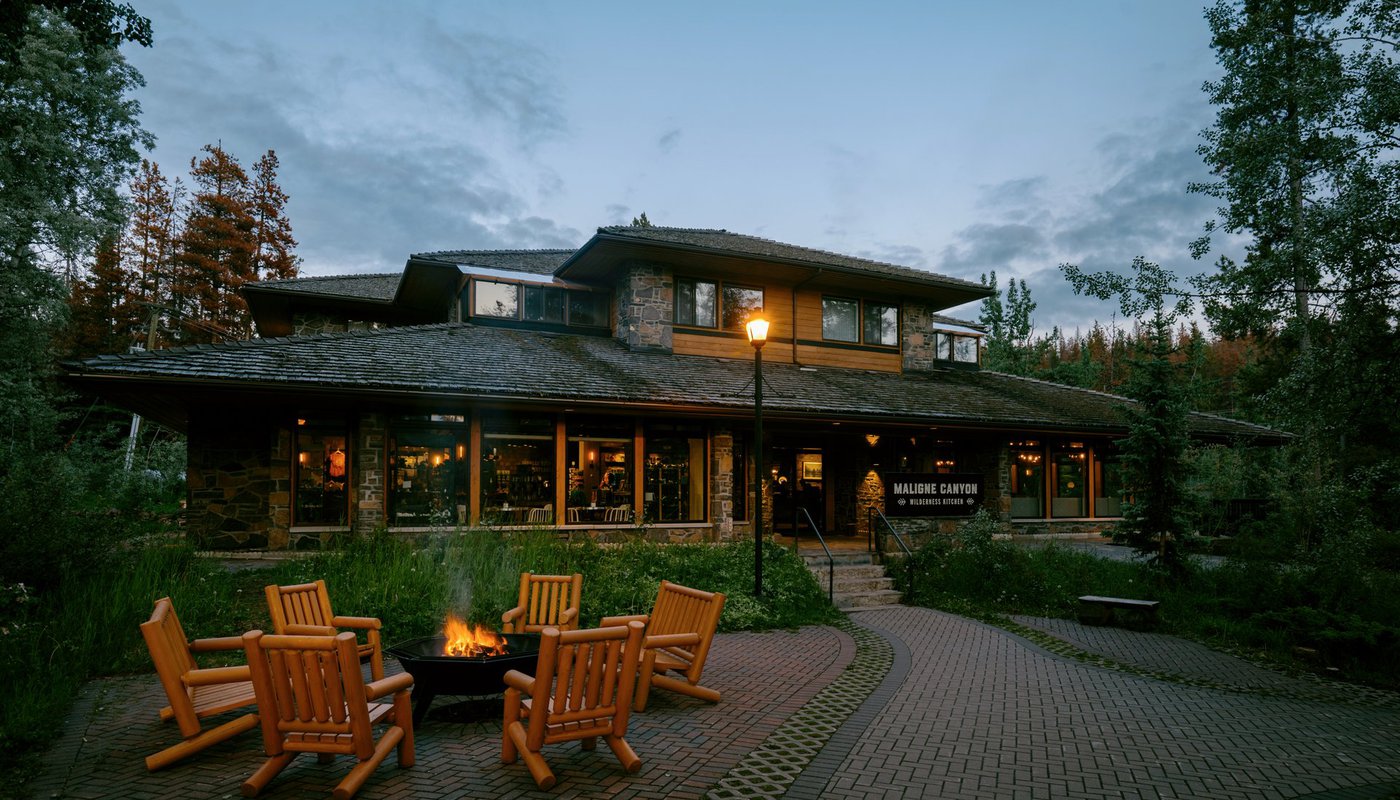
(88, 626)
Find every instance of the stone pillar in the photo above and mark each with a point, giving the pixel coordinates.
(918, 343)
(371, 487)
(722, 485)
(645, 299)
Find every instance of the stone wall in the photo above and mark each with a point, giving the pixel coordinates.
(917, 339)
(371, 487)
(645, 299)
(231, 483)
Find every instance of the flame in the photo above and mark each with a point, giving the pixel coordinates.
(464, 639)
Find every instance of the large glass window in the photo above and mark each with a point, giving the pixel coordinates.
(695, 302)
(544, 304)
(881, 324)
(1108, 483)
(674, 474)
(517, 470)
(839, 320)
(496, 300)
(1027, 480)
(322, 471)
(600, 475)
(427, 472)
(1069, 473)
(740, 304)
(951, 347)
(589, 309)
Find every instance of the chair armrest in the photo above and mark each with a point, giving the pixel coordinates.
(512, 615)
(568, 615)
(219, 643)
(309, 630)
(608, 622)
(214, 676)
(516, 679)
(671, 640)
(394, 683)
(370, 623)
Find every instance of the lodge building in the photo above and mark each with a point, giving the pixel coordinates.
(609, 389)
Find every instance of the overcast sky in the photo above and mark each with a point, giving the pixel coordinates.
(959, 137)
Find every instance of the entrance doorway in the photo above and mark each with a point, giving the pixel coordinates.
(797, 480)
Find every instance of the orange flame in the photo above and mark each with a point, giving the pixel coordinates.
(471, 640)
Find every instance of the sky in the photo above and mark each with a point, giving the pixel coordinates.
(957, 137)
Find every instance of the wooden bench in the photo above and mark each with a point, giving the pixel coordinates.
(1095, 610)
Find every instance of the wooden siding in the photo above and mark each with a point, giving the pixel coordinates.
(811, 352)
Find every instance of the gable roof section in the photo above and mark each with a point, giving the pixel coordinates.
(456, 362)
(721, 249)
(539, 262)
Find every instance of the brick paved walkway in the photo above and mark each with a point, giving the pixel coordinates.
(963, 710)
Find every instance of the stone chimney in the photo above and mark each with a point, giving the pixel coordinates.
(645, 299)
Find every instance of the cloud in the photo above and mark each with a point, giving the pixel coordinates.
(371, 177)
(667, 142)
(1137, 205)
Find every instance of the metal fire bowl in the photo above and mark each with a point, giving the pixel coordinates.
(435, 673)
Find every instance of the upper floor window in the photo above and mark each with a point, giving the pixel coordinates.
(953, 347)
(846, 320)
(548, 304)
(707, 304)
(496, 300)
(696, 302)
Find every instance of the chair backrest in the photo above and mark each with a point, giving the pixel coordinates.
(302, 604)
(545, 597)
(575, 515)
(170, 652)
(681, 609)
(617, 514)
(311, 694)
(542, 515)
(584, 680)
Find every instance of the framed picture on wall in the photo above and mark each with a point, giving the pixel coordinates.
(811, 470)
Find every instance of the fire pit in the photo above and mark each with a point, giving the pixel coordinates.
(445, 665)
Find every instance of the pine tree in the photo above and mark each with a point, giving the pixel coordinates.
(103, 317)
(216, 253)
(150, 246)
(272, 231)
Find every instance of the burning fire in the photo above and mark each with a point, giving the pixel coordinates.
(471, 640)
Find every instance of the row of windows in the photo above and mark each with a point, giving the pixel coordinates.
(1075, 481)
(703, 304)
(549, 304)
(430, 474)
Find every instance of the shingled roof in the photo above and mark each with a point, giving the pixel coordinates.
(469, 361)
(540, 262)
(377, 286)
(725, 241)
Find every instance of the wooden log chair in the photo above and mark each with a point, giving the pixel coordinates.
(581, 690)
(314, 699)
(194, 693)
(305, 609)
(545, 600)
(680, 629)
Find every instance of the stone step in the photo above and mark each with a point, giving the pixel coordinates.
(875, 599)
(846, 557)
(849, 585)
(851, 570)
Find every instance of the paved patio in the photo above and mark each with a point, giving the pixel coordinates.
(901, 702)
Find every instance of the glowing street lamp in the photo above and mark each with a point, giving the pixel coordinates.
(757, 329)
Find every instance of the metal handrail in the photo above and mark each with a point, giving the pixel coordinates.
(871, 514)
(830, 560)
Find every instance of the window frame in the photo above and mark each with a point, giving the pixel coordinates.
(862, 314)
(718, 319)
(467, 308)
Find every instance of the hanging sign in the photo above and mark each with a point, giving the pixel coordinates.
(919, 494)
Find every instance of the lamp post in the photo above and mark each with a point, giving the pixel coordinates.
(757, 329)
